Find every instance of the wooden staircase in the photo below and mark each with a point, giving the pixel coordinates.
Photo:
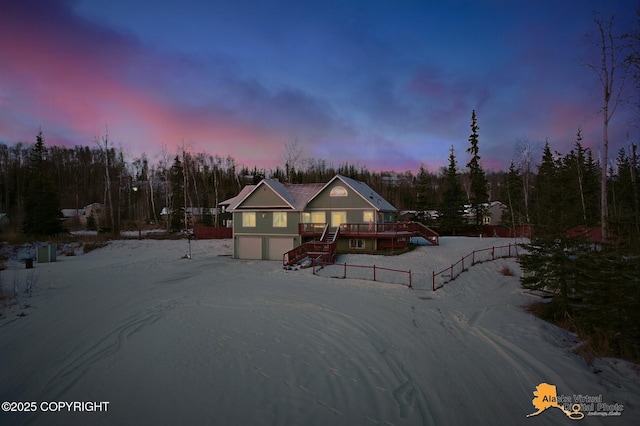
(317, 251)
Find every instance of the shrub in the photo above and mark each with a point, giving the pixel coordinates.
(507, 272)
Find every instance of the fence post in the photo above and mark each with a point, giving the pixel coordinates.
(493, 253)
(462, 263)
(433, 280)
(345, 270)
(451, 273)
(374, 272)
(410, 286)
(473, 258)
(509, 249)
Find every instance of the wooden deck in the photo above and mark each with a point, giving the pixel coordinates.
(373, 230)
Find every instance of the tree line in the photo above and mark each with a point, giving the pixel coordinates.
(559, 194)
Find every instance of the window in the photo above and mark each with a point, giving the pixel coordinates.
(249, 219)
(487, 220)
(318, 217)
(356, 244)
(338, 191)
(367, 216)
(280, 219)
(338, 218)
(314, 217)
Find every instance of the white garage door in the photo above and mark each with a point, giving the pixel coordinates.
(278, 247)
(249, 248)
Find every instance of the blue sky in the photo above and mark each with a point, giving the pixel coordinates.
(384, 84)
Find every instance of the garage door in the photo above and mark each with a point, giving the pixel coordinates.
(278, 247)
(249, 248)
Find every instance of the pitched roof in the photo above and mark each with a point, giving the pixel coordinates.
(298, 195)
(367, 193)
(303, 192)
(234, 201)
(279, 189)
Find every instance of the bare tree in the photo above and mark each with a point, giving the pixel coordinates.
(611, 72)
(103, 144)
(525, 151)
(292, 154)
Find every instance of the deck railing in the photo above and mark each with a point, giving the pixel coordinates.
(315, 250)
(381, 230)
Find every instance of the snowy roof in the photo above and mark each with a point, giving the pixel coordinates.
(70, 212)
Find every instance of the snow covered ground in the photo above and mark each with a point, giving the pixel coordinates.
(213, 340)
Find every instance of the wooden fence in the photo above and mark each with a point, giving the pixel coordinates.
(212, 232)
(439, 279)
(375, 273)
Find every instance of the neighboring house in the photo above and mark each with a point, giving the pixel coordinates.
(194, 215)
(272, 218)
(493, 213)
(226, 206)
(95, 215)
(71, 217)
(92, 215)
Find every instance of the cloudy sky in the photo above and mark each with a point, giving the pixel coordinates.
(384, 84)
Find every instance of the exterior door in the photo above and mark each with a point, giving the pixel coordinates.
(338, 218)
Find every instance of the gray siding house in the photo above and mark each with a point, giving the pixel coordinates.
(272, 218)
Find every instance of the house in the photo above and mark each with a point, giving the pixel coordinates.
(493, 213)
(91, 216)
(272, 218)
(95, 216)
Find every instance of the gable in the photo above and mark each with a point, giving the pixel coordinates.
(263, 197)
(338, 195)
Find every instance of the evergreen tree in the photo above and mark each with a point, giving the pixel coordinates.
(422, 184)
(42, 214)
(546, 197)
(479, 195)
(452, 208)
(176, 222)
(624, 218)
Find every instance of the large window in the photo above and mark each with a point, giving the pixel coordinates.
(338, 218)
(367, 216)
(280, 219)
(249, 219)
(314, 217)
